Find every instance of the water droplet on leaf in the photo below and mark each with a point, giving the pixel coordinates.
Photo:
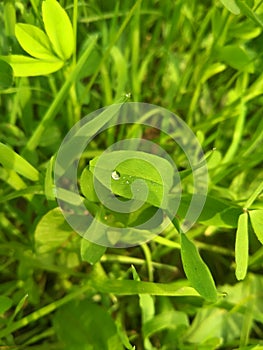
(115, 175)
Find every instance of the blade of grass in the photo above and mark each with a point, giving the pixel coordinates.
(11, 160)
(120, 287)
(112, 43)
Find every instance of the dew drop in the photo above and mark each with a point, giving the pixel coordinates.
(127, 182)
(115, 175)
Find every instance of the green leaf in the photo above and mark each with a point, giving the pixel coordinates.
(166, 320)
(84, 325)
(214, 323)
(127, 287)
(215, 212)
(231, 6)
(34, 41)
(256, 218)
(11, 160)
(5, 304)
(147, 308)
(58, 28)
(196, 270)
(235, 57)
(51, 232)
(241, 246)
(87, 185)
(154, 172)
(146, 301)
(25, 66)
(9, 17)
(91, 252)
(246, 10)
(6, 75)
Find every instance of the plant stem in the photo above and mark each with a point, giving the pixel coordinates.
(59, 99)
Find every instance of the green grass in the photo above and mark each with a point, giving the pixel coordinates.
(202, 60)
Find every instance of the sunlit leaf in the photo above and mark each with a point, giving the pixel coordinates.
(34, 41)
(58, 28)
(25, 66)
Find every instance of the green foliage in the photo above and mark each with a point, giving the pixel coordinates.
(232, 6)
(6, 73)
(241, 247)
(196, 270)
(84, 325)
(136, 166)
(91, 252)
(5, 304)
(13, 161)
(58, 28)
(256, 217)
(62, 60)
(49, 50)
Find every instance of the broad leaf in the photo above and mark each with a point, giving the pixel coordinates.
(84, 325)
(11, 160)
(196, 270)
(256, 218)
(6, 75)
(155, 175)
(58, 28)
(34, 41)
(241, 247)
(25, 66)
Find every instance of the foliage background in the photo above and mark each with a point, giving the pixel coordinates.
(203, 61)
